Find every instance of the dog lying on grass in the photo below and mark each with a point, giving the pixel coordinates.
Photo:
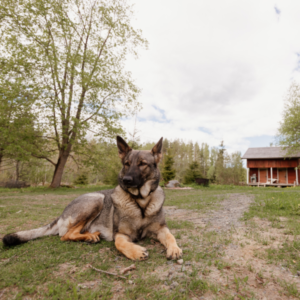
(128, 213)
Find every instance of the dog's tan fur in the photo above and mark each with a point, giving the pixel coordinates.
(130, 212)
(73, 234)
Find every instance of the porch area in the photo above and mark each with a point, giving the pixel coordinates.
(277, 177)
(270, 184)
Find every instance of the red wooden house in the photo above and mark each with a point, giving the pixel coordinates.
(271, 166)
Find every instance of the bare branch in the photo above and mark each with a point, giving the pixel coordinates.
(101, 271)
(100, 106)
(44, 157)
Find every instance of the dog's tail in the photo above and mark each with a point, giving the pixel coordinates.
(20, 237)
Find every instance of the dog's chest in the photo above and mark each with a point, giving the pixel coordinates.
(136, 209)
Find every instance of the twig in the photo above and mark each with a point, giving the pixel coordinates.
(2, 293)
(8, 260)
(296, 249)
(72, 277)
(101, 271)
(125, 270)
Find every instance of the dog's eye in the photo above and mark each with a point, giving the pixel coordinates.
(143, 164)
(127, 164)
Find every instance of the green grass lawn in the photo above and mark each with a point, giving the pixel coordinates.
(282, 209)
(47, 268)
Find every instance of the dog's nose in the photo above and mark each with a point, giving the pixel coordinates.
(127, 180)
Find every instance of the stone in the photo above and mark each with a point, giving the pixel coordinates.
(188, 263)
(182, 290)
(130, 281)
(81, 286)
(173, 183)
(180, 261)
(298, 273)
(174, 284)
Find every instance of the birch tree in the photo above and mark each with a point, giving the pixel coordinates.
(76, 51)
(289, 129)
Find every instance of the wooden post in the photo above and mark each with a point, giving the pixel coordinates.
(247, 175)
(296, 169)
(271, 175)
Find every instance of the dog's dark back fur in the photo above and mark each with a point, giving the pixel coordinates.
(134, 207)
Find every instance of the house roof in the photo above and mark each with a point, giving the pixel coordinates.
(268, 152)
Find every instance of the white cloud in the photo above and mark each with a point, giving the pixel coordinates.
(223, 66)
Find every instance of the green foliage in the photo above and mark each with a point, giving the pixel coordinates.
(192, 173)
(73, 54)
(228, 169)
(81, 179)
(20, 132)
(289, 129)
(168, 172)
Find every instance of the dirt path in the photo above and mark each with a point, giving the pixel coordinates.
(222, 219)
(247, 273)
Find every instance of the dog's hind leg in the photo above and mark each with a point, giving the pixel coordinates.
(168, 240)
(130, 250)
(74, 234)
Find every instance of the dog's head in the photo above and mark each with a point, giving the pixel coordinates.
(139, 174)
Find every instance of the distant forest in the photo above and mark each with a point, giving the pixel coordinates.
(98, 162)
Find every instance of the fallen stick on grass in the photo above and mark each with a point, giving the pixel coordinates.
(8, 260)
(108, 273)
(125, 270)
(2, 293)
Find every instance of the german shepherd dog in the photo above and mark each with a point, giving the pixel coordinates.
(128, 213)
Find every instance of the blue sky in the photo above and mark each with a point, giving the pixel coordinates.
(215, 70)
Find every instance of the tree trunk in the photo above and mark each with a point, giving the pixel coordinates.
(17, 170)
(1, 157)
(59, 170)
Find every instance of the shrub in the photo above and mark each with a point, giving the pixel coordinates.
(81, 179)
(168, 172)
(192, 173)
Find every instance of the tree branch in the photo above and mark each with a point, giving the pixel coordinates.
(90, 117)
(44, 157)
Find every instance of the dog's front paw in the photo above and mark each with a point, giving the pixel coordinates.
(174, 252)
(137, 253)
(93, 237)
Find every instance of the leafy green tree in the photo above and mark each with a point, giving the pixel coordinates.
(237, 172)
(289, 129)
(220, 164)
(81, 179)
(73, 52)
(134, 138)
(192, 172)
(168, 172)
(20, 135)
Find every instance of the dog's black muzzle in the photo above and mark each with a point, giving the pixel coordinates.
(130, 181)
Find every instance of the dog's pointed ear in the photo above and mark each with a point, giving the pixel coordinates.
(122, 147)
(156, 150)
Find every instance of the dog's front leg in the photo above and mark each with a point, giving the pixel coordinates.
(130, 250)
(168, 240)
